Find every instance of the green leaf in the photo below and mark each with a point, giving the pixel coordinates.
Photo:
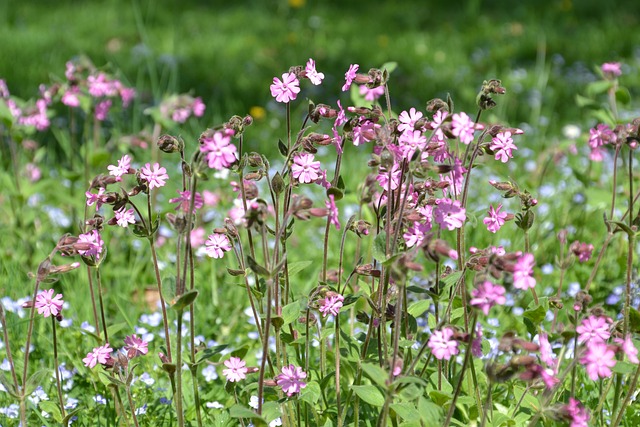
(369, 394)
(623, 96)
(257, 268)
(598, 87)
(430, 413)
(389, 66)
(537, 313)
(311, 393)
(51, 408)
(406, 411)
(634, 320)
(379, 247)
(208, 353)
(239, 411)
(375, 373)
(296, 267)
(114, 329)
(282, 148)
(291, 312)
(185, 300)
(417, 308)
(38, 378)
(583, 101)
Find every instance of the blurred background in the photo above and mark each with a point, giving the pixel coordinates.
(228, 52)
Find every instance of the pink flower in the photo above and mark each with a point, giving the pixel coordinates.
(126, 95)
(102, 109)
(487, 295)
(333, 211)
(594, 329)
(184, 201)
(462, 127)
(441, 344)
(410, 141)
(502, 144)
(135, 346)
(156, 177)
(98, 355)
(331, 305)
(124, 217)
(523, 269)
(496, 219)
(33, 172)
(415, 234)
(582, 250)
(449, 213)
(313, 76)
(628, 348)
(47, 304)
(95, 198)
(599, 360)
(476, 345)
(291, 379)
(389, 182)
(546, 353)
(94, 243)
(304, 168)
(349, 76)
(217, 245)
(371, 94)
(611, 69)
(576, 413)
(198, 107)
(70, 97)
(220, 153)
(285, 90)
(124, 164)
(408, 120)
(4, 90)
(236, 369)
(601, 135)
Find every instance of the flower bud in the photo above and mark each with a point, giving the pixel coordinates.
(170, 144)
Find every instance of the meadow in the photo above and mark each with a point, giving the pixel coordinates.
(206, 226)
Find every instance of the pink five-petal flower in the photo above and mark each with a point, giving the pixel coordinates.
(98, 355)
(217, 245)
(94, 243)
(236, 369)
(486, 295)
(462, 127)
(371, 94)
(628, 348)
(502, 145)
(304, 168)
(124, 217)
(594, 329)
(220, 153)
(135, 346)
(122, 168)
(291, 379)
(156, 176)
(496, 219)
(95, 198)
(349, 76)
(314, 76)
(408, 120)
(47, 304)
(449, 213)
(441, 344)
(599, 360)
(522, 272)
(287, 89)
(331, 305)
(582, 250)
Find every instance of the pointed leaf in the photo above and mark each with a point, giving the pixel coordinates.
(185, 300)
(369, 394)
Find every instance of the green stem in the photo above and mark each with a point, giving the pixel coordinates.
(55, 366)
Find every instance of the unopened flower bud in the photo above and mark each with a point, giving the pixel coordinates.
(170, 144)
(437, 104)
